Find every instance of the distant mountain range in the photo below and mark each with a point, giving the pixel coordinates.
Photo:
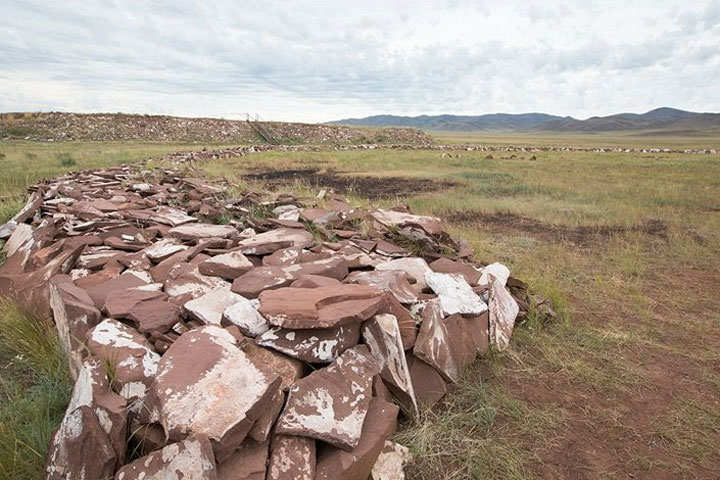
(662, 119)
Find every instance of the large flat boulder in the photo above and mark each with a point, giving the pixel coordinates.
(206, 384)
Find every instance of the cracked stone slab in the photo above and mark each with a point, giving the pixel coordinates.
(322, 307)
(416, 268)
(164, 249)
(393, 281)
(312, 345)
(206, 384)
(497, 270)
(259, 279)
(382, 336)
(78, 431)
(229, 265)
(172, 216)
(330, 404)
(288, 368)
(197, 231)
(273, 240)
(248, 462)
(434, 344)
(431, 225)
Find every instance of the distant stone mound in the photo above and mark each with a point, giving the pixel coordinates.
(59, 126)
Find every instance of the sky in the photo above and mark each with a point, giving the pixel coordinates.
(317, 61)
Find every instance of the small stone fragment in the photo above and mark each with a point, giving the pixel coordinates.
(227, 265)
(243, 314)
(209, 308)
(292, 458)
(390, 465)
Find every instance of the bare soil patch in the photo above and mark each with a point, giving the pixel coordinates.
(368, 187)
(582, 236)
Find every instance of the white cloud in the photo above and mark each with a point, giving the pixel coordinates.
(315, 61)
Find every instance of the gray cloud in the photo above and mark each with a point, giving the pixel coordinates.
(313, 60)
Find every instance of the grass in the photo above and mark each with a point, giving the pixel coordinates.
(620, 289)
(34, 388)
(629, 366)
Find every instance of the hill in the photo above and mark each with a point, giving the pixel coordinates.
(661, 120)
(60, 126)
(460, 123)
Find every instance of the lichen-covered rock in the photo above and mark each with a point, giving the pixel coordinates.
(190, 459)
(314, 345)
(455, 294)
(206, 384)
(356, 464)
(330, 404)
(503, 312)
(382, 336)
(390, 465)
(292, 458)
(133, 360)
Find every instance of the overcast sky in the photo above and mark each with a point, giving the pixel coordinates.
(319, 61)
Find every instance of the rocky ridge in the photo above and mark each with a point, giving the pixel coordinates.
(61, 126)
(281, 345)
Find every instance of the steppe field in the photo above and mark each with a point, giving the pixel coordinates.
(622, 384)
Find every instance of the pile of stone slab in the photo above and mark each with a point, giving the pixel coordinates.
(282, 344)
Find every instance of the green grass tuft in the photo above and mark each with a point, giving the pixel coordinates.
(35, 388)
